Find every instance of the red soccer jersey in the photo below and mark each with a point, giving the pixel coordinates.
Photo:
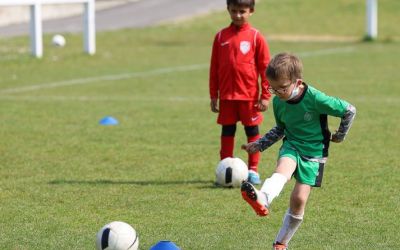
(240, 56)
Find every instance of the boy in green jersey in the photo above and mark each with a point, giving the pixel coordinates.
(301, 120)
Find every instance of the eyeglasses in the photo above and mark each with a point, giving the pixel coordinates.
(280, 90)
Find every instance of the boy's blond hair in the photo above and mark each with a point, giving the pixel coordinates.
(285, 66)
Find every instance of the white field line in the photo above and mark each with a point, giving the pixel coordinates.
(88, 80)
(103, 98)
(83, 81)
(323, 52)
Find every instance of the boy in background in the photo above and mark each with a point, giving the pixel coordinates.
(301, 113)
(239, 58)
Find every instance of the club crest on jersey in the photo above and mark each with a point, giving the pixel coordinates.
(244, 47)
(308, 116)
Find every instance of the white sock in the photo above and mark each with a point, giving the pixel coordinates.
(290, 225)
(273, 186)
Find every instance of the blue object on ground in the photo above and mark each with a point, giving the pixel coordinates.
(108, 120)
(165, 245)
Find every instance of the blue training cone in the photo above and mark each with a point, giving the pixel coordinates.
(165, 245)
(108, 120)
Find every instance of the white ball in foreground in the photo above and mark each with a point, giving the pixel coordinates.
(117, 235)
(231, 172)
(58, 41)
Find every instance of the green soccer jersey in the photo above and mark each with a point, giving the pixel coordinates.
(305, 121)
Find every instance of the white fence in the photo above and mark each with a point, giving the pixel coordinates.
(36, 30)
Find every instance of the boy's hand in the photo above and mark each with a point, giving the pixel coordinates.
(337, 137)
(252, 147)
(214, 105)
(262, 105)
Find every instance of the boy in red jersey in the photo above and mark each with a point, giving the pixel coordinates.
(239, 58)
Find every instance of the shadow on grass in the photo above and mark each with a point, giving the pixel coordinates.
(205, 183)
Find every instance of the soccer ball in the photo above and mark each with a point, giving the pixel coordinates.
(58, 41)
(117, 235)
(231, 172)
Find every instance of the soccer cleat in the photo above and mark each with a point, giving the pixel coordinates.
(279, 246)
(256, 199)
(254, 177)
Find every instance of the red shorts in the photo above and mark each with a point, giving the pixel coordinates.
(232, 111)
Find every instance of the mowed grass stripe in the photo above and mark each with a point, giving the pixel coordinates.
(60, 98)
(154, 72)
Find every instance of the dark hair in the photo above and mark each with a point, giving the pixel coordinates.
(246, 3)
(284, 66)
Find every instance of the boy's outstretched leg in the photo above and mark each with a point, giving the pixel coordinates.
(257, 199)
(260, 200)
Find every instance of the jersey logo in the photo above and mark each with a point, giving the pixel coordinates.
(253, 119)
(224, 43)
(308, 117)
(244, 47)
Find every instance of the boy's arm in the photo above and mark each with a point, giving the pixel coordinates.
(336, 107)
(213, 79)
(345, 124)
(263, 58)
(272, 136)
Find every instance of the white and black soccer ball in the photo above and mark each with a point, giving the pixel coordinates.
(58, 41)
(117, 235)
(231, 172)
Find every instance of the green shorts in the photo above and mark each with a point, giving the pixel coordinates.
(308, 170)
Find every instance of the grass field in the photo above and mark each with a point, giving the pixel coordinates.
(63, 176)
